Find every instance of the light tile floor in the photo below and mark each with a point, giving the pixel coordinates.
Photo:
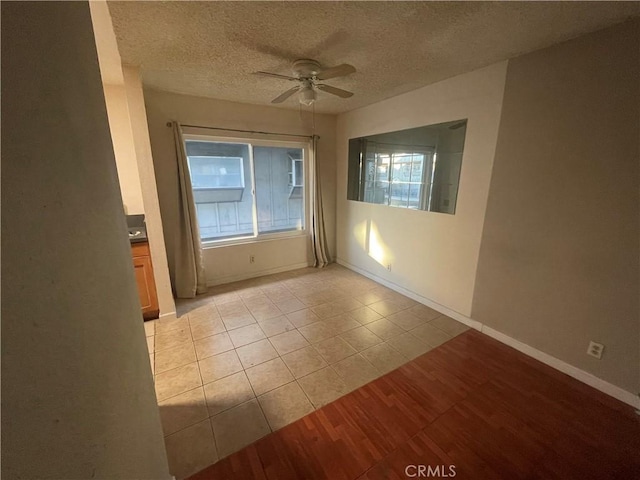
(251, 357)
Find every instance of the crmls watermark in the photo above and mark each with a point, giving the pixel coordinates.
(433, 471)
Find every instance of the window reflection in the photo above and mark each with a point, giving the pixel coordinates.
(417, 169)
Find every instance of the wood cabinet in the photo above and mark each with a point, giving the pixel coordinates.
(143, 269)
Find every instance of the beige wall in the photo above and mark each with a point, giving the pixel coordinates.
(559, 259)
(431, 254)
(230, 263)
(77, 392)
(121, 135)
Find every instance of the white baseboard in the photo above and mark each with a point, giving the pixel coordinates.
(574, 372)
(566, 368)
(212, 282)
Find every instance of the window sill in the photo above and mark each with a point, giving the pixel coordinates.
(206, 245)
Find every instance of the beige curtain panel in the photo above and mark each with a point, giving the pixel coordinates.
(318, 235)
(188, 277)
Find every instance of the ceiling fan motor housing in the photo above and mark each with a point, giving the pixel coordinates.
(307, 73)
(306, 68)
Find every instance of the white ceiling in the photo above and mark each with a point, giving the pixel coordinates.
(211, 48)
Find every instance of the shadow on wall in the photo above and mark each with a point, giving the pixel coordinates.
(368, 237)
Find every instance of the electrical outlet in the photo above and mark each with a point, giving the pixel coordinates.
(252, 259)
(389, 267)
(595, 350)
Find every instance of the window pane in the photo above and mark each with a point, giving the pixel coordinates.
(221, 180)
(417, 181)
(401, 173)
(414, 196)
(399, 194)
(417, 168)
(381, 179)
(280, 183)
(216, 172)
(369, 178)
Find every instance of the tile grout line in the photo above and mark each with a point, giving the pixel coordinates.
(257, 397)
(257, 401)
(305, 306)
(198, 359)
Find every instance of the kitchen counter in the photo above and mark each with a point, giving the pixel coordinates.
(137, 228)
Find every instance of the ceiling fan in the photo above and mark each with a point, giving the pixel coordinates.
(308, 73)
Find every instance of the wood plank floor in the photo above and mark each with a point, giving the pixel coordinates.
(472, 403)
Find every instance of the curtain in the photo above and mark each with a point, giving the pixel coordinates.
(188, 277)
(318, 235)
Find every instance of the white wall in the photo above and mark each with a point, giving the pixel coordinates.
(231, 263)
(434, 255)
(78, 399)
(224, 264)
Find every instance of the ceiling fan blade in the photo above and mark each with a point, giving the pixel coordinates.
(275, 75)
(339, 71)
(286, 95)
(334, 91)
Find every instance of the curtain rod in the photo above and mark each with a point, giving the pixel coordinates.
(247, 131)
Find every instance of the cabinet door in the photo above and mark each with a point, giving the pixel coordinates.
(146, 286)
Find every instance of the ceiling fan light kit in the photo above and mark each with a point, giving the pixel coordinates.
(307, 95)
(307, 73)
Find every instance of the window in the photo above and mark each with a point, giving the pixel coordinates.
(395, 178)
(296, 176)
(247, 189)
(417, 169)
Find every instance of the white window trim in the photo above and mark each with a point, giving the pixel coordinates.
(259, 142)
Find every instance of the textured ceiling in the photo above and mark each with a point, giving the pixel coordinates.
(211, 48)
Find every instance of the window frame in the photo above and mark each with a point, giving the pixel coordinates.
(252, 142)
